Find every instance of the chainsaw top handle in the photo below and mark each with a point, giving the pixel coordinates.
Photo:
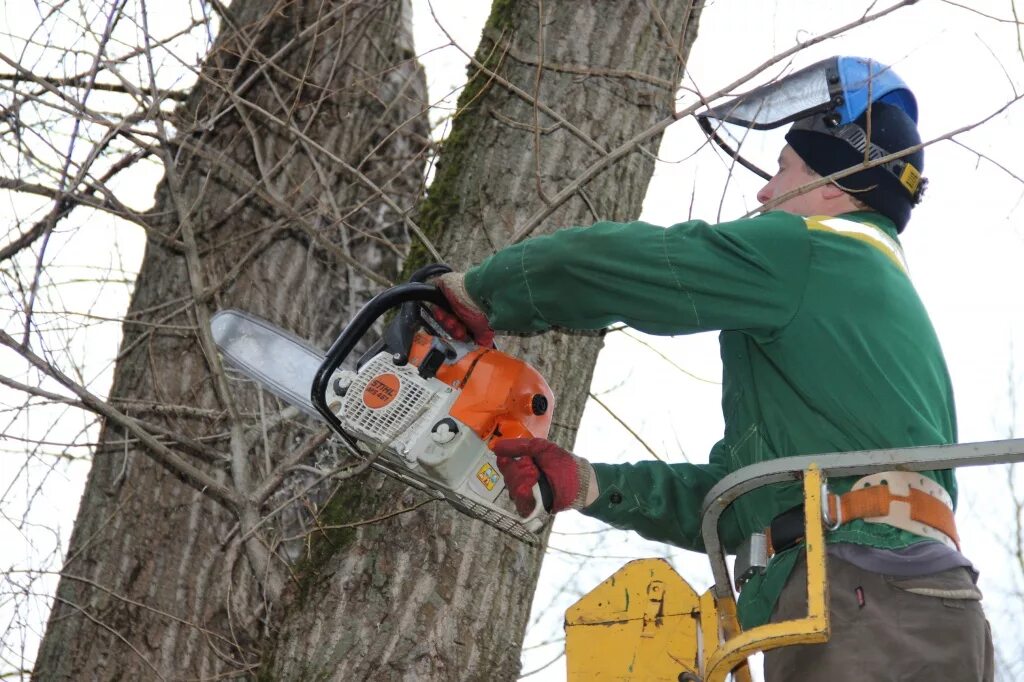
(408, 296)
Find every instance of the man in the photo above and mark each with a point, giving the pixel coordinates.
(826, 347)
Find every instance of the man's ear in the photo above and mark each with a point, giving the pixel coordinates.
(831, 191)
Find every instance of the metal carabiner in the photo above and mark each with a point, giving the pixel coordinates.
(826, 518)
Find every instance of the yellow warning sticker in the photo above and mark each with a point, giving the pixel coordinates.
(488, 476)
(910, 178)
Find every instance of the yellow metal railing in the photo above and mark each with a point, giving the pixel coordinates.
(733, 649)
(646, 623)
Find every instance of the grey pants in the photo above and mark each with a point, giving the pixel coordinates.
(887, 628)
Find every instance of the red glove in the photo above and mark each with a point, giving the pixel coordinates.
(467, 320)
(521, 460)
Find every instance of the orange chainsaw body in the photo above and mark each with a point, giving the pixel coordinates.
(499, 396)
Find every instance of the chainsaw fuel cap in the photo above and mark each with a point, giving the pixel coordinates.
(444, 431)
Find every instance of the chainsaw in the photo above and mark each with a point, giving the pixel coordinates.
(421, 406)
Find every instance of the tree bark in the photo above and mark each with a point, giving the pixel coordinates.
(254, 212)
(362, 579)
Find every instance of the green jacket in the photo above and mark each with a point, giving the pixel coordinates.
(826, 347)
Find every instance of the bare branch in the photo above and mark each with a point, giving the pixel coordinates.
(80, 82)
(666, 358)
(113, 631)
(66, 202)
(270, 483)
(195, 477)
(839, 175)
(519, 92)
(127, 600)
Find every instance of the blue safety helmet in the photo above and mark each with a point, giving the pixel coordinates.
(830, 104)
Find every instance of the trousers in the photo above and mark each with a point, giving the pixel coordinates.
(886, 628)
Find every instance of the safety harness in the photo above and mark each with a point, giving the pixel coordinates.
(906, 500)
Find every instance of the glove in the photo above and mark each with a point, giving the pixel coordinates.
(521, 461)
(467, 320)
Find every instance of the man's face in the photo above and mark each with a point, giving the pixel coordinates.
(792, 173)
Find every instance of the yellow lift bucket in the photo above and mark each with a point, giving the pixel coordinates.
(639, 624)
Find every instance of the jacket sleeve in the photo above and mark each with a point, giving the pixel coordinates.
(661, 501)
(744, 275)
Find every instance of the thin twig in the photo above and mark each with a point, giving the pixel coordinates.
(142, 605)
(373, 520)
(627, 427)
(522, 94)
(114, 632)
(270, 483)
(839, 175)
(338, 473)
(666, 358)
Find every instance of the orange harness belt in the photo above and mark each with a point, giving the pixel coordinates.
(918, 511)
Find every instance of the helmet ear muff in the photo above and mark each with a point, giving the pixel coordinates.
(893, 188)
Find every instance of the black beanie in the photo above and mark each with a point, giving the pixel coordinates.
(891, 189)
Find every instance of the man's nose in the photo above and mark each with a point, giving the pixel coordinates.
(765, 194)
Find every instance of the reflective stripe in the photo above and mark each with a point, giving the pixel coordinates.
(864, 232)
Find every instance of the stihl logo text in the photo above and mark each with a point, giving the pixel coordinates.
(381, 390)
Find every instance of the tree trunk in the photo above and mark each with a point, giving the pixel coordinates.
(174, 575)
(433, 594)
(255, 213)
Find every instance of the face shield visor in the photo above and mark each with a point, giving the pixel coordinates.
(835, 91)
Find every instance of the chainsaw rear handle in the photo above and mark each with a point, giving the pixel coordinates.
(409, 296)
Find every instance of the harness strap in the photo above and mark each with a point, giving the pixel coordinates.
(906, 500)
